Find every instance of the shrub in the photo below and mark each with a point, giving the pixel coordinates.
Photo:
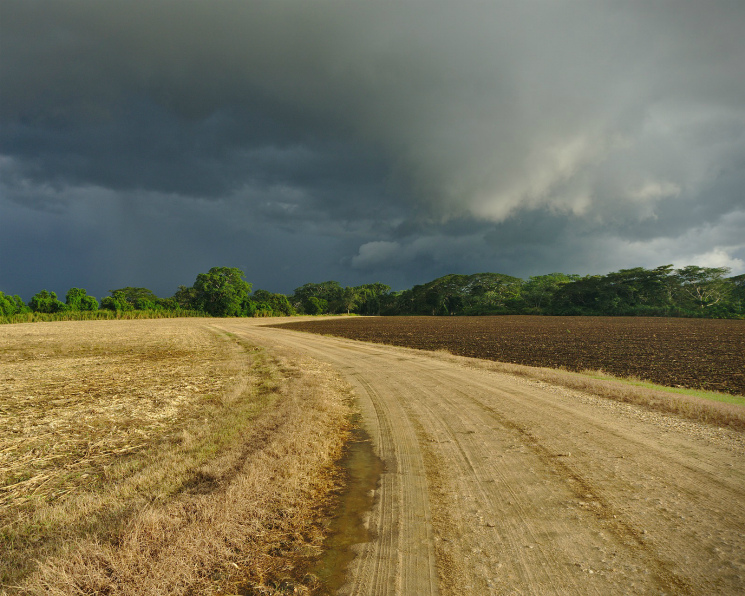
(46, 302)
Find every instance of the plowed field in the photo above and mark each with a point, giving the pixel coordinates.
(698, 353)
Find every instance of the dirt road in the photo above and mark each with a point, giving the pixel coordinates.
(501, 485)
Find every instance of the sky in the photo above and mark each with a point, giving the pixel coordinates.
(145, 141)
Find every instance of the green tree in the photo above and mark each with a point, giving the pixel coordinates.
(249, 308)
(371, 298)
(78, 299)
(222, 292)
(185, 298)
(11, 305)
(577, 298)
(349, 299)
(436, 298)
(117, 302)
(477, 294)
(315, 306)
(329, 291)
(492, 293)
(539, 291)
(145, 304)
(635, 291)
(703, 287)
(737, 295)
(46, 302)
(139, 298)
(7, 308)
(271, 305)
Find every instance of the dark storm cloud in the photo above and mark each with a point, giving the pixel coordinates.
(401, 139)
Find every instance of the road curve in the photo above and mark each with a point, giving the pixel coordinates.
(501, 485)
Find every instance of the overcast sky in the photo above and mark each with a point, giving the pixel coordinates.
(145, 141)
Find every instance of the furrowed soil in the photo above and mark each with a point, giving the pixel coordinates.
(497, 484)
(696, 353)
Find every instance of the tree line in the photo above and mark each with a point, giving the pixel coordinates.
(661, 292)
(223, 292)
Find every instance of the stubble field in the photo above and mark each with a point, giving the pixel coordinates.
(696, 353)
(161, 456)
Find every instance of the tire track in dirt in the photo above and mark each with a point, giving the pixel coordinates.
(497, 485)
(597, 505)
(699, 485)
(404, 522)
(494, 493)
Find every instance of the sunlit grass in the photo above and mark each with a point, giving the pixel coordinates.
(98, 315)
(700, 393)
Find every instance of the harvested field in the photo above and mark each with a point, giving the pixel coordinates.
(696, 353)
(151, 457)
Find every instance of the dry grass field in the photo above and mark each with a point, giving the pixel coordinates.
(161, 456)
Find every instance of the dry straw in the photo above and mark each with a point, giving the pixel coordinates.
(151, 457)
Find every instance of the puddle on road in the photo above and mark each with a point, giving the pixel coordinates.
(363, 469)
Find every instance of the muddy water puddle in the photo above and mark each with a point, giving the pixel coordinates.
(347, 528)
(327, 574)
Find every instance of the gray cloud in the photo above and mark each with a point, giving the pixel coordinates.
(401, 139)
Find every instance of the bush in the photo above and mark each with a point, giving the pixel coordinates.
(46, 302)
(117, 302)
(221, 292)
(11, 305)
(78, 299)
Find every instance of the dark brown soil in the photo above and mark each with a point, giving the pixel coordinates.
(699, 353)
